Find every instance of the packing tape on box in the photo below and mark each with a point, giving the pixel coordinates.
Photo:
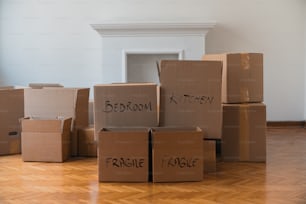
(244, 136)
(245, 61)
(245, 66)
(244, 94)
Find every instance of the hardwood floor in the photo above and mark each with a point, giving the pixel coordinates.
(281, 180)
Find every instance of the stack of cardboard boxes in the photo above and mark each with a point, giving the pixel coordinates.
(244, 114)
(190, 109)
(145, 132)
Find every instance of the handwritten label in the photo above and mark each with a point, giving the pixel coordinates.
(179, 162)
(190, 99)
(125, 162)
(127, 107)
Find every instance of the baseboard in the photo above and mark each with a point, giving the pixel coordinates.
(285, 124)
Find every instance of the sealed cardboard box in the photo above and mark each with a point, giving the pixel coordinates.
(11, 109)
(124, 155)
(244, 132)
(51, 102)
(191, 95)
(87, 145)
(125, 105)
(209, 156)
(45, 140)
(177, 154)
(242, 80)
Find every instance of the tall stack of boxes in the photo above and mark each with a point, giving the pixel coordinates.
(123, 114)
(244, 114)
(191, 96)
(190, 110)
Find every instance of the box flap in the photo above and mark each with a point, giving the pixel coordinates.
(44, 124)
(42, 85)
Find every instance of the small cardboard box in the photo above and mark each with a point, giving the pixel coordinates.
(177, 154)
(45, 140)
(11, 110)
(125, 105)
(52, 102)
(124, 155)
(209, 156)
(87, 146)
(191, 95)
(244, 132)
(242, 80)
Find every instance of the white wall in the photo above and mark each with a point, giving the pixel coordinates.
(51, 40)
(305, 59)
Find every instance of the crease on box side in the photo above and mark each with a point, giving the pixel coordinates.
(244, 134)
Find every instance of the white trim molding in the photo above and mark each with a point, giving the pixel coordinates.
(152, 28)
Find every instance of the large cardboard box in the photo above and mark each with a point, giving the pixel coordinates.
(244, 132)
(11, 109)
(124, 155)
(50, 102)
(125, 105)
(87, 145)
(177, 154)
(209, 156)
(191, 95)
(45, 140)
(242, 80)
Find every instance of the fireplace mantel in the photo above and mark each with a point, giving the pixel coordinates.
(153, 28)
(186, 40)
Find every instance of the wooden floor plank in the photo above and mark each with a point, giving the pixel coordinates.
(281, 180)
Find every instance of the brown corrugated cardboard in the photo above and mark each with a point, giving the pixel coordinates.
(87, 146)
(46, 140)
(124, 155)
(91, 112)
(125, 105)
(242, 80)
(244, 132)
(209, 156)
(11, 109)
(65, 102)
(191, 95)
(177, 154)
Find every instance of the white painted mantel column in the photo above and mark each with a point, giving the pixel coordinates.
(186, 39)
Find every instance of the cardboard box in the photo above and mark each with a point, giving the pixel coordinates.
(244, 132)
(50, 102)
(45, 140)
(177, 154)
(87, 146)
(125, 105)
(191, 95)
(242, 80)
(124, 155)
(11, 109)
(209, 156)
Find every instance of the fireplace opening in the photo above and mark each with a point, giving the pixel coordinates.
(143, 68)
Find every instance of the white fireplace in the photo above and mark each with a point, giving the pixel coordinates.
(130, 50)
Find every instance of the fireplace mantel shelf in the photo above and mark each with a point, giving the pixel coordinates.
(153, 28)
